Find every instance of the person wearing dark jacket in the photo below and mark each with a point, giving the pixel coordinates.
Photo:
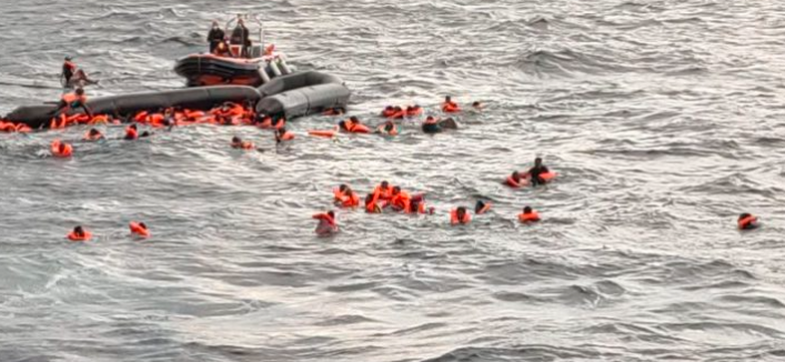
(241, 36)
(215, 37)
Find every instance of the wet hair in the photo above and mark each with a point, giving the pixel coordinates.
(460, 210)
(143, 225)
(388, 108)
(331, 213)
(537, 160)
(342, 124)
(389, 126)
(385, 184)
(282, 130)
(79, 230)
(343, 187)
(145, 134)
(354, 119)
(744, 216)
(94, 132)
(429, 118)
(447, 99)
(236, 139)
(527, 210)
(516, 175)
(398, 108)
(369, 199)
(133, 127)
(476, 104)
(79, 91)
(396, 189)
(479, 206)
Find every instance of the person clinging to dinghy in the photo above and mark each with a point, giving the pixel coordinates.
(72, 101)
(215, 36)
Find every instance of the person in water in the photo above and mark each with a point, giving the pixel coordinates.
(460, 216)
(72, 101)
(433, 125)
(282, 135)
(481, 207)
(327, 225)
(401, 200)
(388, 128)
(79, 234)
(372, 204)
(238, 143)
(93, 135)
(535, 173)
(477, 106)
(240, 36)
(345, 197)
(747, 222)
(449, 106)
(131, 133)
(215, 36)
(528, 215)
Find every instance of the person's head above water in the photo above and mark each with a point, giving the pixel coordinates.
(79, 91)
(448, 99)
(516, 175)
(94, 132)
(132, 126)
(79, 231)
(477, 105)
(331, 214)
(343, 188)
(388, 108)
(215, 24)
(396, 190)
(354, 119)
(236, 139)
(281, 131)
(460, 212)
(527, 210)
(61, 148)
(538, 161)
(385, 184)
(369, 199)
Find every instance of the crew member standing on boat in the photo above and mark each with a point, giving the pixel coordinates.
(215, 37)
(240, 36)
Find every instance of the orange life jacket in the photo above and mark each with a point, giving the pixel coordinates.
(454, 218)
(326, 217)
(414, 112)
(70, 98)
(510, 181)
(356, 127)
(156, 119)
(450, 107)
(102, 118)
(141, 117)
(70, 65)
(66, 152)
(138, 229)
(23, 128)
(388, 113)
(373, 208)
(383, 194)
(7, 126)
(131, 133)
(747, 222)
(347, 200)
(85, 237)
(530, 217)
(401, 201)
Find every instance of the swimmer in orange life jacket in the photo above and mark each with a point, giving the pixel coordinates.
(93, 135)
(327, 225)
(449, 106)
(371, 204)
(61, 149)
(388, 111)
(384, 191)
(412, 111)
(460, 216)
(80, 234)
(481, 207)
(283, 135)
(528, 215)
(747, 222)
(417, 206)
(535, 173)
(345, 197)
(516, 180)
(139, 229)
(238, 143)
(131, 133)
(353, 125)
(401, 200)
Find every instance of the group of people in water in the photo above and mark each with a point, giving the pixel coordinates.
(138, 230)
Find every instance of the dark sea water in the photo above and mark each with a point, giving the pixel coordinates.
(664, 120)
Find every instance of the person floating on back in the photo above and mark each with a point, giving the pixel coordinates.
(747, 222)
(327, 225)
(460, 216)
(528, 216)
(79, 234)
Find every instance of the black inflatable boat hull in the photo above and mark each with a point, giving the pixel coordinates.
(207, 70)
(301, 94)
(37, 117)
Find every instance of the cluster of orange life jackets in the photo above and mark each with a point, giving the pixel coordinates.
(398, 112)
(11, 127)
